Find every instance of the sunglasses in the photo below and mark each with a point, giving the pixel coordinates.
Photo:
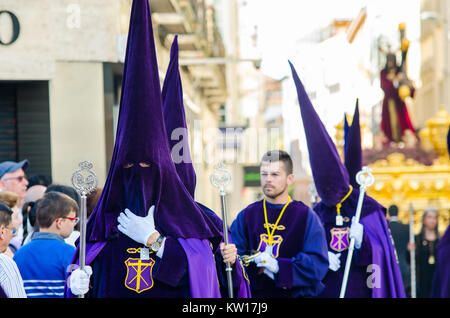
(19, 179)
(74, 220)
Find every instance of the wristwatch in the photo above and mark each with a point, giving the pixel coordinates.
(155, 246)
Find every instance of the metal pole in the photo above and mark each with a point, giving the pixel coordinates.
(412, 252)
(84, 181)
(83, 219)
(220, 178)
(365, 179)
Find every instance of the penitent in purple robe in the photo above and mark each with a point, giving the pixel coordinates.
(375, 271)
(175, 121)
(187, 267)
(299, 247)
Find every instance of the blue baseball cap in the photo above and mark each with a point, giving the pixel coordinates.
(11, 166)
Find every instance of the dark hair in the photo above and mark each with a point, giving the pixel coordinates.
(393, 210)
(279, 155)
(68, 190)
(92, 199)
(425, 212)
(52, 206)
(391, 57)
(29, 214)
(39, 179)
(5, 214)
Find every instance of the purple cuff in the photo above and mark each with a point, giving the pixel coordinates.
(285, 274)
(173, 264)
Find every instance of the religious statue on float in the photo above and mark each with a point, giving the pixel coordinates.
(396, 124)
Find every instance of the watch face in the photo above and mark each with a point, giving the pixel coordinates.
(155, 246)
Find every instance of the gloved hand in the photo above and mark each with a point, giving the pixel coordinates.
(269, 273)
(335, 262)
(356, 231)
(268, 261)
(136, 227)
(79, 281)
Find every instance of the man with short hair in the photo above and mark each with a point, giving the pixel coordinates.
(12, 178)
(400, 235)
(287, 234)
(44, 261)
(11, 283)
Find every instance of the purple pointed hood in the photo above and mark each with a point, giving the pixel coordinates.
(175, 121)
(353, 151)
(142, 172)
(346, 127)
(329, 173)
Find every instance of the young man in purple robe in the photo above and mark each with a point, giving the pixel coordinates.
(287, 234)
(374, 270)
(146, 237)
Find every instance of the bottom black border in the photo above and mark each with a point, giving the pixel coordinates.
(229, 308)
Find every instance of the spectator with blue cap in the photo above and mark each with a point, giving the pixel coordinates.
(12, 178)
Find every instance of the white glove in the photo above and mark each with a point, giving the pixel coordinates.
(335, 262)
(268, 261)
(136, 227)
(356, 231)
(79, 281)
(269, 273)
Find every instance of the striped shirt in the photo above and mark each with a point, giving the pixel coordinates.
(43, 264)
(10, 278)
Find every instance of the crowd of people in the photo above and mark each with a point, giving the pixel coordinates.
(39, 229)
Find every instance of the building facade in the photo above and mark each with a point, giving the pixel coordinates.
(61, 65)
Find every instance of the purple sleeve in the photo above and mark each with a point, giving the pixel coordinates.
(173, 265)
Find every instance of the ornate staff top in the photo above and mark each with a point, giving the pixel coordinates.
(365, 177)
(84, 179)
(221, 177)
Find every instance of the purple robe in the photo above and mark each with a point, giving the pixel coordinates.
(295, 258)
(332, 183)
(375, 272)
(441, 280)
(174, 118)
(142, 138)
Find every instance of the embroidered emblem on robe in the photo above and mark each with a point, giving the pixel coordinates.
(139, 274)
(339, 239)
(265, 241)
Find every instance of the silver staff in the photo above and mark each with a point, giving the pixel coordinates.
(365, 179)
(412, 252)
(84, 181)
(220, 178)
(312, 193)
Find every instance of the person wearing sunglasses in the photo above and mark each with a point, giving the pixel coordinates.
(45, 260)
(12, 178)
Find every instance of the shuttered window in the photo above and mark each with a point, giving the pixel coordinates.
(25, 125)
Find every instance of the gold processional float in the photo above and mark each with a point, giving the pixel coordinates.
(414, 172)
